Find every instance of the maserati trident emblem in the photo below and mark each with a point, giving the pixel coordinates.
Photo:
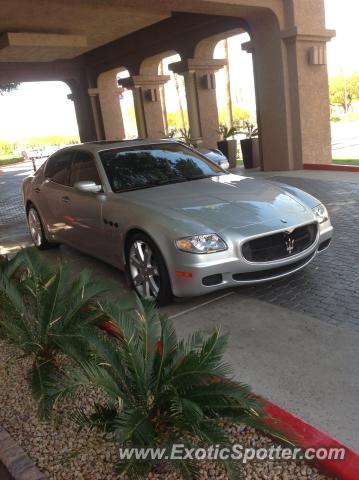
(289, 244)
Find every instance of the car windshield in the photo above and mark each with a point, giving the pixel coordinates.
(154, 165)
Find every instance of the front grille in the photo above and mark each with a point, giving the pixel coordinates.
(272, 272)
(280, 245)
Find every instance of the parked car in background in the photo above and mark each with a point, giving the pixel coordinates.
(34, 153)
(49, 150)
(215, 156)
(177, 223)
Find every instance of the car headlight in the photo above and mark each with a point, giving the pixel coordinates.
(201, 244)
(320, 213)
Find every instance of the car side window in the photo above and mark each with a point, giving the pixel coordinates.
(58, 168)
(84, 169)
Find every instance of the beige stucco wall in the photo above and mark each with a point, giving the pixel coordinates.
(292, 92)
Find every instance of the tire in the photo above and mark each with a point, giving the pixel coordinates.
(37, 230)
(146, 270)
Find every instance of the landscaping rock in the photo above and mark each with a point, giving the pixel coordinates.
(63, 453)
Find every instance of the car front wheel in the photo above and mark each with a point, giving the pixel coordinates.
(147, 270)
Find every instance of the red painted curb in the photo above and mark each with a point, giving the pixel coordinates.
(308, 436)
(331, 166)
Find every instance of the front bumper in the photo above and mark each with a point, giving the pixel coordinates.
(192, 275)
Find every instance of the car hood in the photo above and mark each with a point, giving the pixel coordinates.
(228, 201)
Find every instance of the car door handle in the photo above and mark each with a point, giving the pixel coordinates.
(66, 199)
(37, 190)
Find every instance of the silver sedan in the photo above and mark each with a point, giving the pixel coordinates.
(175, 222)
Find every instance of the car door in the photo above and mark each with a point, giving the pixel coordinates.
(50, 195)
(82, 210)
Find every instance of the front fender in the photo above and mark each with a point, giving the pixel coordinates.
(301, 195)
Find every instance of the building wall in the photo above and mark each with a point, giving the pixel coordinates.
(288, 40)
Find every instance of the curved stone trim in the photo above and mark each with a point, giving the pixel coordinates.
(17, 462)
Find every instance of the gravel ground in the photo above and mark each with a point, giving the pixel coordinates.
(52, 445)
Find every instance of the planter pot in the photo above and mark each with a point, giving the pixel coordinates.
(256, 153)
(229, 149)
(247, 152)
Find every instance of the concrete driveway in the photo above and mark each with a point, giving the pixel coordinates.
(295, 341)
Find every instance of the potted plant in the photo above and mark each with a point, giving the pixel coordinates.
(251, 133)
(228, 145)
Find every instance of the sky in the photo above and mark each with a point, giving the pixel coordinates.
(41, 109)
(37, 109)
(342, 16)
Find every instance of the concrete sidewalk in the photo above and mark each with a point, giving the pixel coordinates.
(304, 365)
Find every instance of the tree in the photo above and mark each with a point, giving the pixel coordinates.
(239, 114)
(163, 97)
(343, 90)
(8, 87)
(229, 110)
(180, 105)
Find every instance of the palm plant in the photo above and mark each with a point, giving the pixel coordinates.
(158, 390)
(249, 129)
(45, 312)
(185, 136)
(226, 132)
(9, 294)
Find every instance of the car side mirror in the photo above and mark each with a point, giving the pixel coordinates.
(88, 186)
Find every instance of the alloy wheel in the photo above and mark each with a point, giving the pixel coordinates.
(144, 270)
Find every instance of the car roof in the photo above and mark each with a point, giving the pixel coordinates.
(102, 145)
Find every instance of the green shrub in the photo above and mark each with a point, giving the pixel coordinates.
(43, 311)
(158, 390)
(8, 160)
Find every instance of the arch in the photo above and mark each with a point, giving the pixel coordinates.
(205, 47)
(149, 66)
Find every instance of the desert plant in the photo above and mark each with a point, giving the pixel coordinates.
(10, 297)
(158, 390)
(248, 129)
(172, 133)
(45, 311)
(226, 132)
(185, 136)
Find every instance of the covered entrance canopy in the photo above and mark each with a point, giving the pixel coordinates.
(87, 42)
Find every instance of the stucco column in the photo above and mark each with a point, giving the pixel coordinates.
(84, 109)
(291, 94)
(200, 88)
(309, 95)
(147, 102)
(96, 112)
(109, 92)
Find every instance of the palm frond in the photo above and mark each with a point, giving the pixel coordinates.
(134, 424)
(134, 469)
(234, 469)
(197, 366)
(210, 433)
(101, 419)
(186, 411)
(40, 373)
(188, 469)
